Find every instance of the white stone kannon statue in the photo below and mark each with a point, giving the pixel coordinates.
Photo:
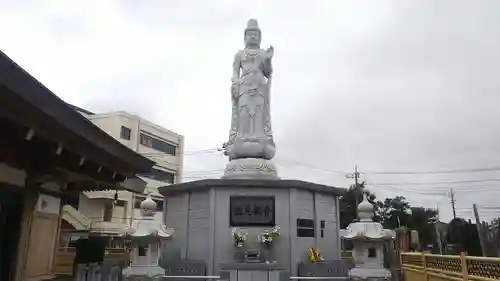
(251, 146)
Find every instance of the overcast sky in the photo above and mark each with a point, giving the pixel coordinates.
(390, 85)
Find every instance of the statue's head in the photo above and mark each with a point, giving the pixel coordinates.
(252, 34)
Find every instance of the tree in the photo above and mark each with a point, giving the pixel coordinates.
(455, 234)
(464, 236)
(495, 222)
(424, 221)
(394, 212)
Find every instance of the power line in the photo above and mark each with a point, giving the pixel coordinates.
(419, 192)
(442, 191)
(391, 186)
(205, 172)
(297, 163)
(490, 169)
(487, 209)
(300, 163)
(439, 182)
(284, 163)
(477, 190)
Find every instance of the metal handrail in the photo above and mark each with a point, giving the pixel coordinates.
(318, 278)
(291, 278)
(192, 277)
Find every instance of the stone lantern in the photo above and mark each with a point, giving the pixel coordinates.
(368, 238)
(146, 235)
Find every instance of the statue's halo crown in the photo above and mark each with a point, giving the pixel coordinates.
(252, 24)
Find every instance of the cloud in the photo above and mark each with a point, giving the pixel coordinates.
(389, 85)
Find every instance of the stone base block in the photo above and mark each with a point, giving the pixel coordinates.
(251, 168)
(143, 273)
(369, 274)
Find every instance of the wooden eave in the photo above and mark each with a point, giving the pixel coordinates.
(56, 128)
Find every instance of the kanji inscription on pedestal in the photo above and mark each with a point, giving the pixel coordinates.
(252, 211)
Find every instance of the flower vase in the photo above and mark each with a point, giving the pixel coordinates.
(267, 253)
(239, 254)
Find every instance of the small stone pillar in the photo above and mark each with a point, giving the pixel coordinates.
(145, 236)
(368, 238)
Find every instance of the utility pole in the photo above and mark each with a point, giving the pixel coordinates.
(355, 176)
(480, 230)
(452, 195)
(438, 233)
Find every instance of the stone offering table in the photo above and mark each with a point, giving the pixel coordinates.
(253, 272)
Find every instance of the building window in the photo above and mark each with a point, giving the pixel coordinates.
(160, 175)
(108, 212)
(157, 144)
(305, 228)
(125, 133)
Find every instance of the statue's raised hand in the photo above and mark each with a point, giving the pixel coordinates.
(270, 52)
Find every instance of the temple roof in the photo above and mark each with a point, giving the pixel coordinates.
(27, 107)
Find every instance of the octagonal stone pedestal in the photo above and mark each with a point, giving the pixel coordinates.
(199, 211)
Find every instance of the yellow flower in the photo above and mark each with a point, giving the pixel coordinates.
(314, 255)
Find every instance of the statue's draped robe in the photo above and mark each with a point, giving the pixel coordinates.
(251, 112)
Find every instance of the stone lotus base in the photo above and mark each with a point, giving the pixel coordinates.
(251, 168)
(251, 148)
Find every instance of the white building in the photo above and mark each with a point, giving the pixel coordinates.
(110, 211)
